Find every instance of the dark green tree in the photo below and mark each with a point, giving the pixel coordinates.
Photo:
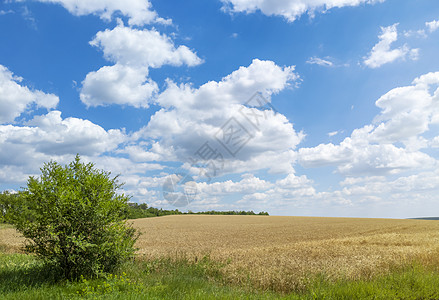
(76, 219)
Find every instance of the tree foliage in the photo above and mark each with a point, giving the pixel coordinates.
(12, 208)
(136, 211)
(74, 219)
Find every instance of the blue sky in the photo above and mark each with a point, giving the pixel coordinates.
(320, 108)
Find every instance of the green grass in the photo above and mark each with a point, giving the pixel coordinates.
(412, 282)
(5, 225)
(23, 277)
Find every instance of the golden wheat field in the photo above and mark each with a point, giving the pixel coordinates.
(282, 253)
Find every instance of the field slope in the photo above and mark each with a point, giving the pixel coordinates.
(284, 254)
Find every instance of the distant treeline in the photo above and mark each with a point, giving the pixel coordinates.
(230, 212)
(137, 211)
(12, 202)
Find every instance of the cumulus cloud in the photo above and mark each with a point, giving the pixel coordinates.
(192, 116)
(406, 114)
(290, 9)
(235, 88)
(16, 98)
(362, 196)
(383, 162)
(290, 192)
(404, 191)
(24, 146)
(382, 53)
(139, 12)
(23, 149)
(148, 152)
(118, 84)
(354, 157)
(51, 135)
(133, 51)
(147, 48)
(432, 26)
(248, 184)
(254, 193)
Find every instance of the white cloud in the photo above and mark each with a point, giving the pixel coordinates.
(144, 152)
(319, 61)
(16, 99)
(139, 12)
(435, 142)
(23, 149)
(118, 84)
(356, 157)
(199, 111)
(290, 9)
(6, 12)
(416, 33)
(190, 117)
(248, 184)
(382, 53)
(361, 196)
(414, 54)
(142, 48)
(432, 26)
(357, 180)
(403, 191)
(235, 88)
(290, 192)
(378, 196)
(133, 51)
(131, 172)
(50, 134)
(293, 181)
(406, 114)
(253, 193)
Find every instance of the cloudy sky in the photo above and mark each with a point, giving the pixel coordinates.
(295, 107)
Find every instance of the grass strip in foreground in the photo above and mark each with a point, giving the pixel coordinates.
(24, 277)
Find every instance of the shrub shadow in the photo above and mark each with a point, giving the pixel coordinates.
(26, 275)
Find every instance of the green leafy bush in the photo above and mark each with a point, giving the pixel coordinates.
(74, 219)
(11, 206)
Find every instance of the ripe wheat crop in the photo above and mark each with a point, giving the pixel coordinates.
(284, 253)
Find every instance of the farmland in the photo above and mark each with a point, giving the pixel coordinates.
(281, 253)
(284, 254)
